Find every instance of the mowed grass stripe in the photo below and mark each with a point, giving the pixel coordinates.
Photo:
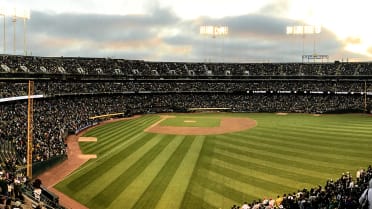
(331, 155)
(212, 198)
(249, 191)
(107, 145)
(313, 137)
(354, 119)
(321, 144)
(123, 133)
(249, 177)
(173, 195)
(103, 140)
(195, 200)
(314, 170)
(292, 120)
(309, 144)
(309, 135)
(113, 191)
(271, 151)
(143, 190)
(216, 192)
(101, 165)
(115, 171)
(154, 191)
(139, 124)
(256, 156)
(282, 173)
(342, 131)
(340, 126)
(324, 142)
(201, 180)
(355, 126)
(104, 146)
(103, 130)
(324, 128)
(118, 149)
(298, 129)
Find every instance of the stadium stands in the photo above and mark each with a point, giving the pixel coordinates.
(133, 68)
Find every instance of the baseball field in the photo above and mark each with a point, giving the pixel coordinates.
(215, 160)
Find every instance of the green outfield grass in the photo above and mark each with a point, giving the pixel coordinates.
(282, 154)
(187, 121)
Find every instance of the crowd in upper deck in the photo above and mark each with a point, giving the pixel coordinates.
(108, 66)
(52, 88)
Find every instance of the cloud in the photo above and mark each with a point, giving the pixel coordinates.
(162, 35)
(276, 8)
(74, 33)
(99, 27)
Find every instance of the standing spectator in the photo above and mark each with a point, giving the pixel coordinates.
(37, 189)
(369, 196)
(245, 206)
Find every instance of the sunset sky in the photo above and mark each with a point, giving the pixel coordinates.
(168, 30)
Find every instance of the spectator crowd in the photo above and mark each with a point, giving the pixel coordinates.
(108, 66)
(343, 193)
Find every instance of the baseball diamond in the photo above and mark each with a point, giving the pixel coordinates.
(281, 153)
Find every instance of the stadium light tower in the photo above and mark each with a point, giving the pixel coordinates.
(25, 15)
(214, 31)
(15, 14)
(304, 30)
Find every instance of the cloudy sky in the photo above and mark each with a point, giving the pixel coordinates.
(168, 30)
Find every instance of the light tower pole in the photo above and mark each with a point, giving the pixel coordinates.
(214, 31)
(14, 20)
(4, 34)
(25, 16)
(3, 13)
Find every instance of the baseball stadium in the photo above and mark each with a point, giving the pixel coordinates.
(79, 132)
(102, 140)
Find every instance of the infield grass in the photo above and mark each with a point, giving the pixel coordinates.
(282, 154)
(191, 121)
